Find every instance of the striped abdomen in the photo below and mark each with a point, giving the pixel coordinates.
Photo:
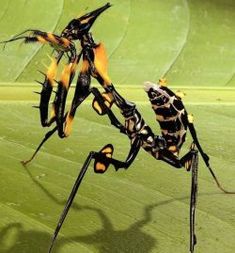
(170, 114)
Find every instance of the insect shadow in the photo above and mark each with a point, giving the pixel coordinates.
(105, 239)
(14, 239)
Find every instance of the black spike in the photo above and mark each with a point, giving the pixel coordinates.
(39, 82)
(54, 91)
(41, 72)
(36, 106)
(36, 92)
(56, 81)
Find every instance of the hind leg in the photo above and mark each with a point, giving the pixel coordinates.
(187, 159)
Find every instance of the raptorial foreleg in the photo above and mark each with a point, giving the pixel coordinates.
(100, 165)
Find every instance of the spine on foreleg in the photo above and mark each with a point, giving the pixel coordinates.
(47, 87)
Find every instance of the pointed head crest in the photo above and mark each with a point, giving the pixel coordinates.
(80, 26)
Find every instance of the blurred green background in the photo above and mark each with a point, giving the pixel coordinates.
(144, 209)
(191, 42)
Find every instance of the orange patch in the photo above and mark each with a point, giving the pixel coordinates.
(52, 111)
(174, 150)
(190, 118)
(68, 125)
(84, 21)
(65, 76)
(101, 63)
(85, 66)
(100, 166)
(52, 38)
(162, 82)
(74, 66)
(41, 39)
(107, 104)
(66, 42)
(97, 107)
(107, 150)
(108, 97)
(52, 70)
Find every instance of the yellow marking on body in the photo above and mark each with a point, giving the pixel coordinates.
(107, 104)
(109, 155)
(108, 97)
(85, 66)
(68, 125)
(190, 118)
(193, 146)
(100, 166)
(101, 63)
(66, 42)
(159, 117)
(130, 125)
(172, 148)
(65, 76)
(164, 131)
(180, 93)
(97, 107)
(176, 154)
(162, 82)
(41, 39)
(52, 70)
(74, 66)
(186, 165)
(107, 150)
(84, 21)
(52, 115)
(52, 38)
